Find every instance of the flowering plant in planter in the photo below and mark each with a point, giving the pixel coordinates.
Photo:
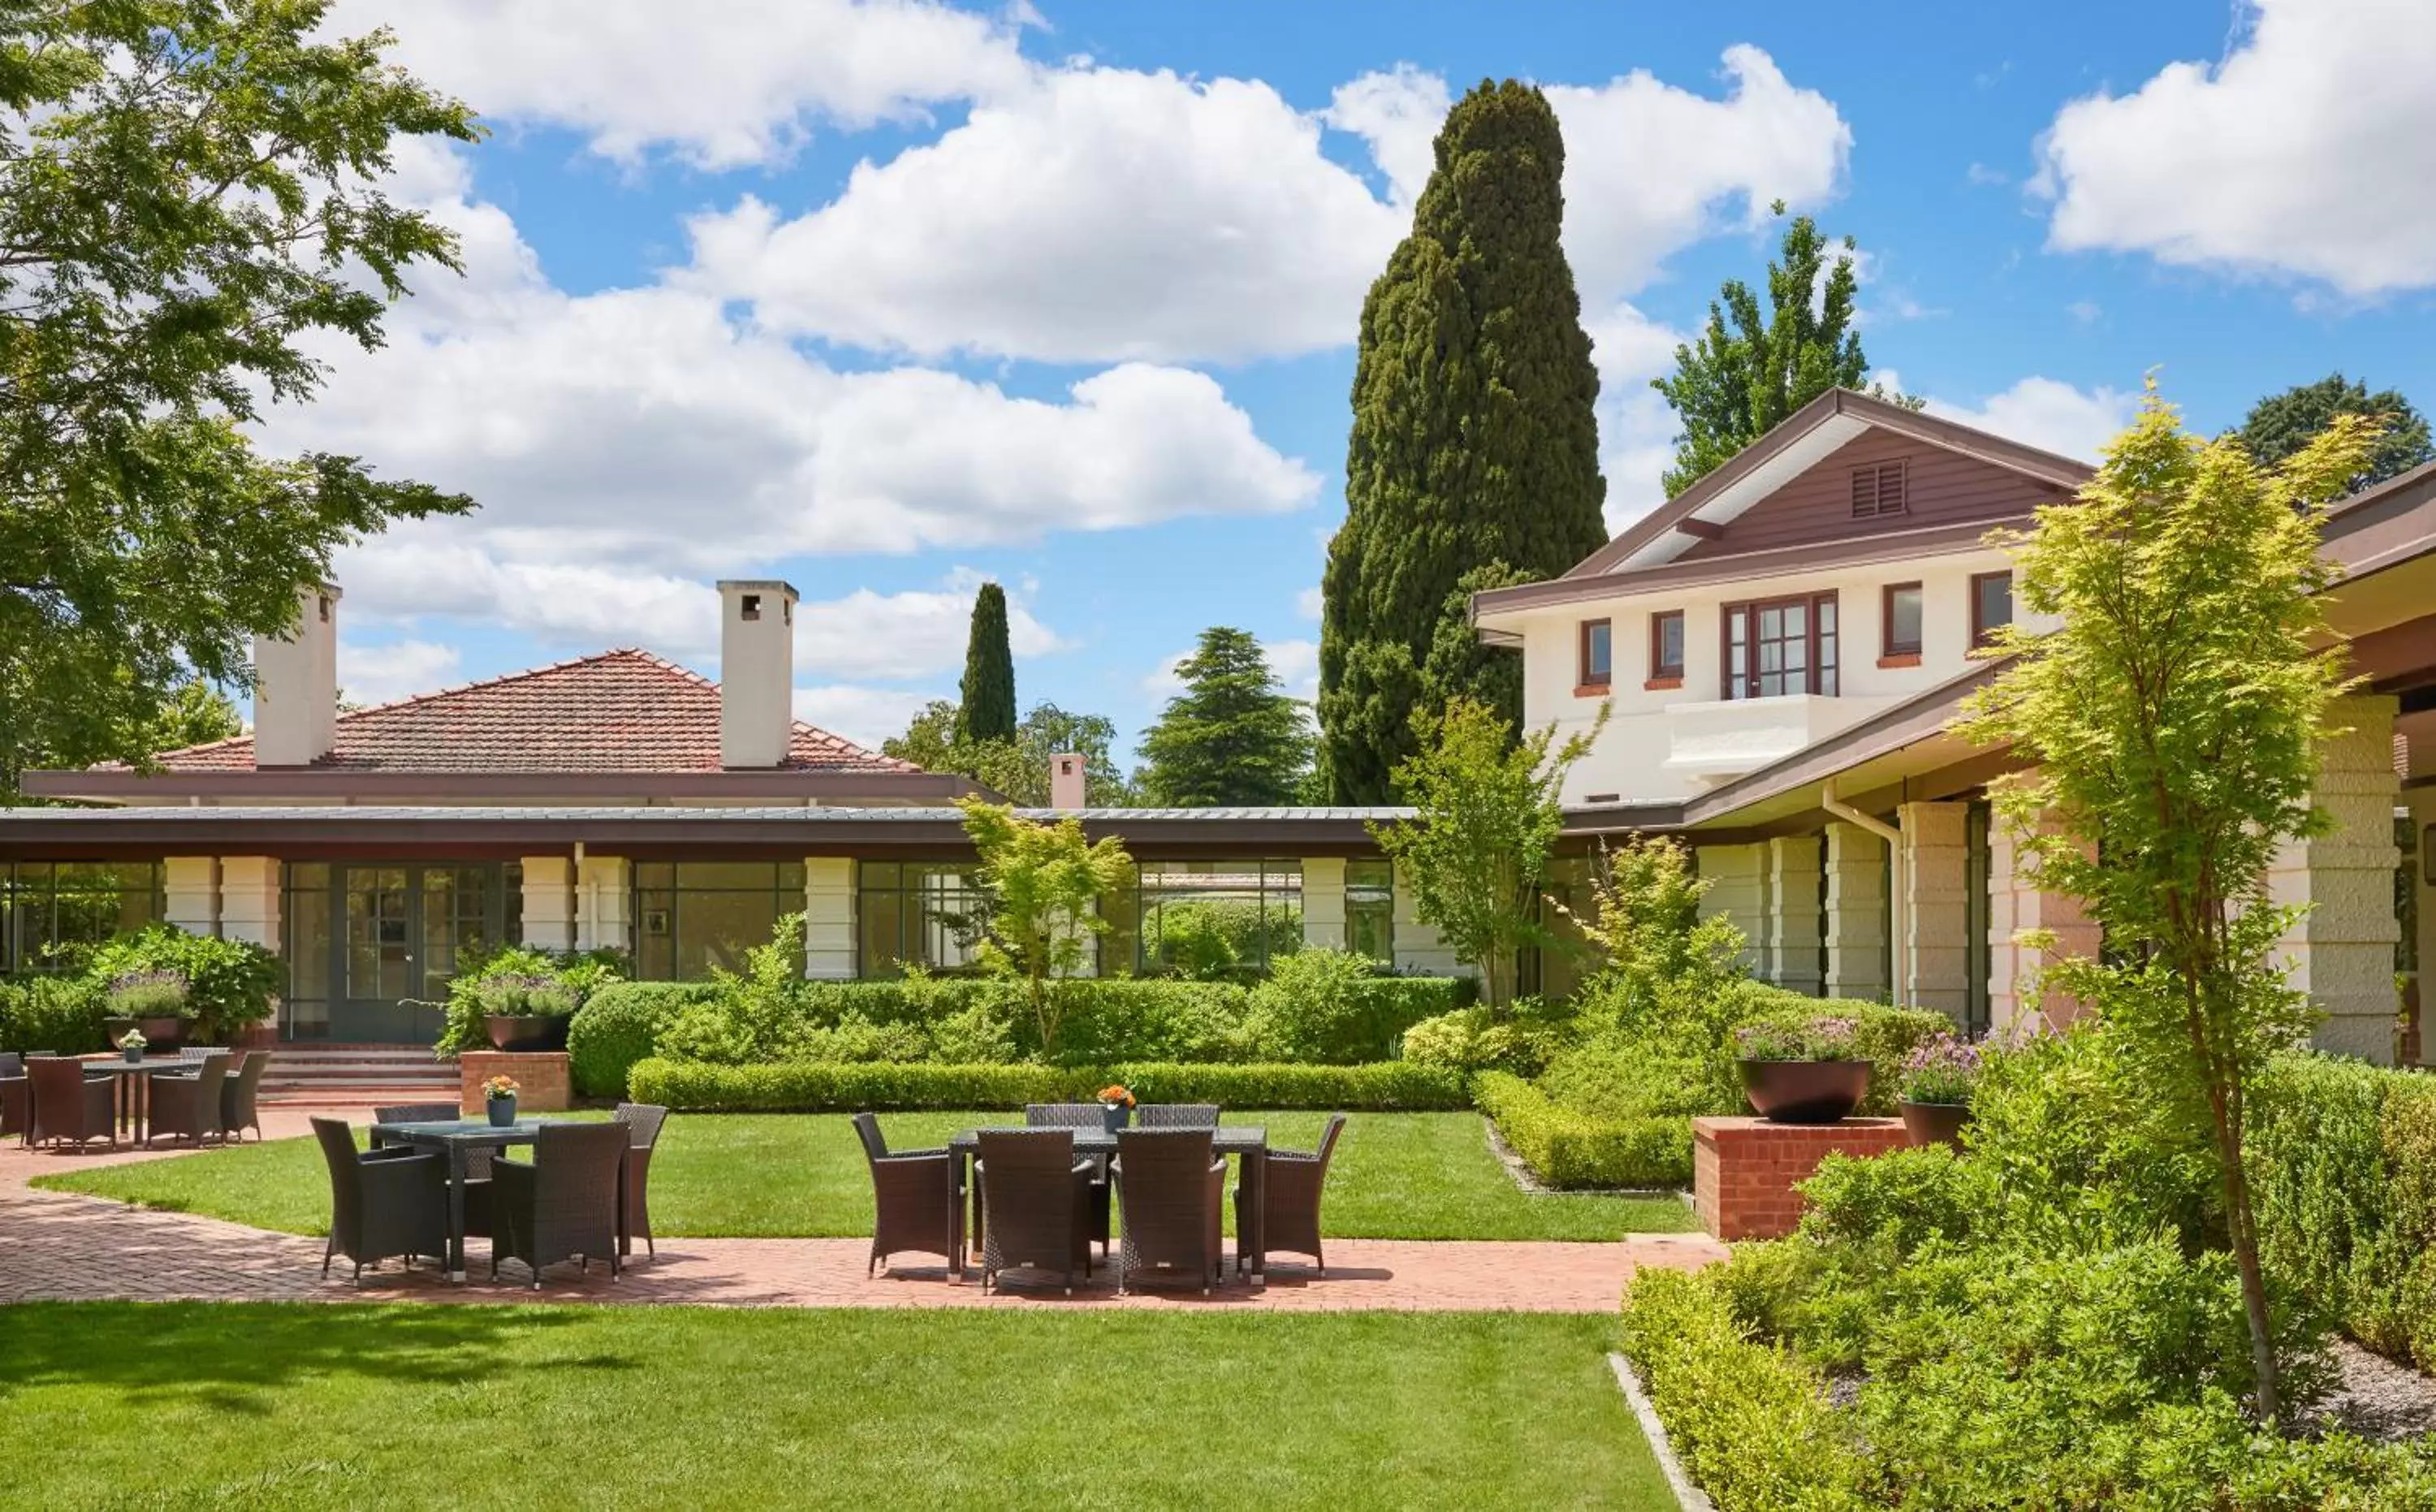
(149, 995)
(134, 1039)
(1815, 1039)
(1115, 1096)
(500, 1087)
(1943, 1070)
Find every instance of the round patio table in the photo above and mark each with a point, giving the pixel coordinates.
(135, 1094)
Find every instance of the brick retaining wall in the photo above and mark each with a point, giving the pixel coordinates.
(1743, 1168)
(544, 1085)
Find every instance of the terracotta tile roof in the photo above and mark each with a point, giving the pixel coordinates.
(624, 710)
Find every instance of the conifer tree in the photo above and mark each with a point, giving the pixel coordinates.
(987, 710)
(1231, 737)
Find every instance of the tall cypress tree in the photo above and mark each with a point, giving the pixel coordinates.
(1473, 437)
(987, 712)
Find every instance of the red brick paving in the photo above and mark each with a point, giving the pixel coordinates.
(60, 1246)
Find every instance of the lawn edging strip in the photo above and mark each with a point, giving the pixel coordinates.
(1687, 1496)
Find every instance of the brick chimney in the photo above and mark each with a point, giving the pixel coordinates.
(296, 684)
(1066, 784)
(756, 672)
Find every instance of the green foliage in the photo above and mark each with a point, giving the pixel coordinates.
(1232, 737)
(1520, 1039)
(230, 983)
(1331, 1007)
(61, 1014)
(1741, 380)
(191, 202)
(516, 981)
(1224, 939)
(1566, 1147)
(2177, 714)
(987, 712)
(1456, 663)
(1473, 436)
(1045, 882)
(1661, 964)
(2279, 425)
(1476, 853)
(621, 1024)
(1018, 769)
(815, 1087)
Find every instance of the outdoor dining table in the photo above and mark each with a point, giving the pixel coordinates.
(134, 1079)
(455, 1139)
(1247, 1143)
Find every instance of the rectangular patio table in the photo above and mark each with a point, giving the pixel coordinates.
(134, 1079)
(1247, 1143)
(455, 1138)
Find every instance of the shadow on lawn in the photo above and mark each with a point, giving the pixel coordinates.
(218, 1356)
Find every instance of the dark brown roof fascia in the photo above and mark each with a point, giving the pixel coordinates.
(2383, 526)
(329, 786)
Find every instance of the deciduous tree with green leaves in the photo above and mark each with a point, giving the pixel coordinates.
(1232, 736)
(1044, 883)
(1016, 768)
(987, 712)
(189, 192)
(2282, 423)
(1750, 369)
(2176, 716)
(1476, 854)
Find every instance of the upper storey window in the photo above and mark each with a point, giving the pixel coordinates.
(1879, 490)
(1667, 647)
(1781, 646)
(1991, 607)
(1902, 621)
(1597, 671)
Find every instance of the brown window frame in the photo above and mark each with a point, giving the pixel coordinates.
(1890, 652)
(1813, 667)
(1873, 477)
(1983, 634)
(1663, 675)
(1584, 684)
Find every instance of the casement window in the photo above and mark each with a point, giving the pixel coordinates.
(1597, 673)
(1898, 643)
(1991, 607)
(1878, 489)
(1666, 648)
(1781, 646)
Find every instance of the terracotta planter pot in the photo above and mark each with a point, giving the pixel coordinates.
(1935, 1122)
(526, 1032)
(1805, 1091)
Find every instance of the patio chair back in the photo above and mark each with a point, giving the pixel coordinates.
(1035, 1202)
(63, 1105)
(563, 1204)
(346, 1185)
(1176, 1116)
(642, 1121)
(916, 1198)
(189, 1107)
(1063, 1116)
(11, 1064)
(387, 1201)
(875, 1144)
(1292, 1188)
(418, 1113)
(240, 1094)
(1171, 1188)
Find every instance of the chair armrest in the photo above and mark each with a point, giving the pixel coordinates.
(895, 1157)
(419, 1169)
(394, 1152)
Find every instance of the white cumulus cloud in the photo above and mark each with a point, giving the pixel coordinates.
(2043, 412)
(380, 674)
(866, 716)
(2302, 153)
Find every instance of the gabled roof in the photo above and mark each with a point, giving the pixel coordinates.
(621, 711)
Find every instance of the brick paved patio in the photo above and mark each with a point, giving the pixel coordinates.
(59, 1246)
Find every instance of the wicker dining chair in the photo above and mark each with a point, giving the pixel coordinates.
(64, 1105)
(564, 1206)
(1079, 1116)
(642, 1121)
(1176, 1116)
(920, 1209)
(12, 1093)
(1291, 1191)
(477, 1159)
(1036, 1204)
(189, 1107)
(1171, 1187)
(240, 1094)
(382, 1202)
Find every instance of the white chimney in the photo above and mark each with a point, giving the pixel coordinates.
(757, 673)
(1066, 784)
(296, 684)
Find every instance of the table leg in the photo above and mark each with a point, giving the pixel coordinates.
(1251, 1245)
(966, 1178)
(456, 1212)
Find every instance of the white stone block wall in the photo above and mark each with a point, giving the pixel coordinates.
(1856, 913)
(1418, 949)
(829, 919)
(1738, 879)
(250, 899)
(1793, 901)
(2015, 903)
(190, 888)
(2342, 952)
(603, 900)
(2423, 815)
(1323, 901)
(1933, 952)
(549, 902)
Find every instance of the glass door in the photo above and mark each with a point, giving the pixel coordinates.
(403, 931)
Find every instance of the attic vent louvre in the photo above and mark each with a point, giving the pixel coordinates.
(1878, 489)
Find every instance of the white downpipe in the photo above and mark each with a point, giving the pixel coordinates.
(1898, 899)
(578, 898)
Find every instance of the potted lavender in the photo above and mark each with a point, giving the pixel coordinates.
(1939, 1077)
(153, 1003)
(525, 1011)
(1802, 1073)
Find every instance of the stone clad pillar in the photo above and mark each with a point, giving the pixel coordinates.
(603, 899)
(2342, 952)
(829, 919)
(250, 899)
(1418, 949)
(190, 887)
(2015, 904)
(1793, 931)
(1856, 914)
(1738, 879)
(1323, 901)
(1933, 954)
(549, 902)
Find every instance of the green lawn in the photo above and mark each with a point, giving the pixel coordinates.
(1397, 1175)
(272, 1406)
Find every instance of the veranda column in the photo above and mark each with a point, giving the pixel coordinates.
(190, 887)
(1933, 956)
(549, 902)
(2016, 903)
(1738, 879)
(2423, 879)
(250, 899)
(2342, 951)
(603, 900)
(1323, 901)
(1418, 949)
(1793, 933)
(1856, 914)
(829, 917)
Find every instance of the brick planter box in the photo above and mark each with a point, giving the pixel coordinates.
(542, 1082)
(1743, 1168)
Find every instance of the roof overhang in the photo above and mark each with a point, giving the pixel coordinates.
(339, 786)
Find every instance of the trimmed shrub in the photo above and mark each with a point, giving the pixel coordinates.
(516, 981)
(230, 983)
(620, 1025)
(62, 1014)
(814, 1088)
(1331, 1007)
(1568, 1148)
(1469, 1040)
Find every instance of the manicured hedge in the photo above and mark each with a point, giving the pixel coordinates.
(1569, 1148)
(620, 1025)
(62, 1014)
(881, 1085)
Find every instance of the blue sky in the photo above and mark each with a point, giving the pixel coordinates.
(886, 298)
